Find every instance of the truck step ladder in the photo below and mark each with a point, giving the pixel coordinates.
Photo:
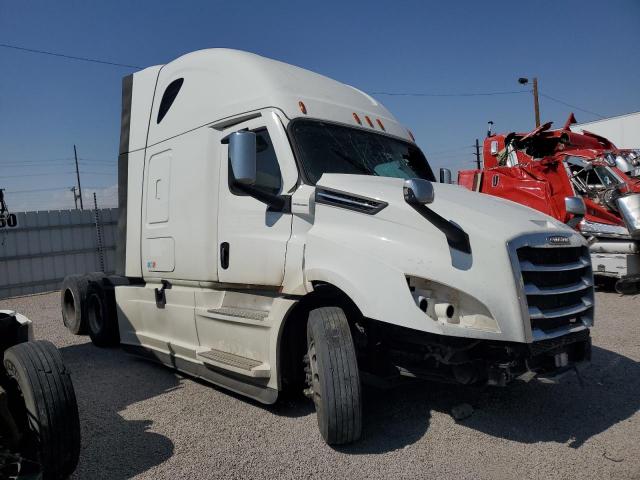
(235, 363)
(240, 313)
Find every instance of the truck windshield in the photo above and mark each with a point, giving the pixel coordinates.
(600, 176)
(330, 148)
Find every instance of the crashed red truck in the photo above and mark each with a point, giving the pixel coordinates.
(574, 178)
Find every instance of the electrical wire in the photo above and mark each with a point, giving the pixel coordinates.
(71, 57)
(570, 105)
(470, 94)
(54, 189)
(57, 173)
(455, 149)
(395, 94)
(38, 174)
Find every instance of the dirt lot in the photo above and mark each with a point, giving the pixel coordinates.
(143, 421)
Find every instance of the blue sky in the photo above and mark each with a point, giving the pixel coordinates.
(583, 52)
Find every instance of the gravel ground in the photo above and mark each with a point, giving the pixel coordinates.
(143, 421)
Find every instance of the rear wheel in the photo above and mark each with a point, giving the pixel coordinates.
(44, 408)
(102, 323)
(332, 376)
(72, 298)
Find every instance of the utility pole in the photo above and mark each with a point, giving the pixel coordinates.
(536, 104)
(478, 154)
(75, 196)
(75, 153)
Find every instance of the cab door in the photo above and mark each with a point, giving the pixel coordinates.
(252, 238)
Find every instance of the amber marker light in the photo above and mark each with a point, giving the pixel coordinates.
(303, 107)
(366, 117)
(380, 124)
(413, 139)
(357, 118)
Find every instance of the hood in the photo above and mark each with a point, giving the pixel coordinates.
(477, 214)
(373, 241)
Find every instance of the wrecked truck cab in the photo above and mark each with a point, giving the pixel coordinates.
(545, 169)
(281, 231)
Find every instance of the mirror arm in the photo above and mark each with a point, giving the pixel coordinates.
(276, 203)
(456, 237)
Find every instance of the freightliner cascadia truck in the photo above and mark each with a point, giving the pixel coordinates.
(281, 231)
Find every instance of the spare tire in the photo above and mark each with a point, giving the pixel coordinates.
(48, 411)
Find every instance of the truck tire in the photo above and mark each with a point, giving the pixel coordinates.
(101, 321)
(49, 416)
(73, 296)
(334, 378)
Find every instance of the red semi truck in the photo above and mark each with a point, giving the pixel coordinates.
(574, 178)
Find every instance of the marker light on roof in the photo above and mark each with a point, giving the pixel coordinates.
(380, 124)
(302, 106)
(413, 139)
(357, 118)
(366, 117)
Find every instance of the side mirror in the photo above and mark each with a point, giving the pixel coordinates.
(242, 154)
(575, 206)
(623, 164)
(418, 191)
(445, 176)
(629, 207)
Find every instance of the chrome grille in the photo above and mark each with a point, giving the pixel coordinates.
(558, 285)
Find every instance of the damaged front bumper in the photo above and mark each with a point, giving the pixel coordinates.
(544, 359)
(471, 361)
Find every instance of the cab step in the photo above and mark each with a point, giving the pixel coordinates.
(247, 313)
(235, 363)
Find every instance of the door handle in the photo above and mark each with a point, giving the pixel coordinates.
(224, 255)
(161, 298)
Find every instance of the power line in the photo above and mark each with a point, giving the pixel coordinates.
(37, 174)
(455, 149)
(13, 192)
(53, 165)
(469, 94)
(57, 173)
(72, 57)
(571, 106)
(54, 189)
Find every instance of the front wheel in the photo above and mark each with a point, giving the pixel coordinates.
(44, 408)
(332, 376)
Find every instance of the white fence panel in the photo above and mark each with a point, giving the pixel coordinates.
(46, 246)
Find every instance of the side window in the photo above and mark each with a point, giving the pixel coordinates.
(268, 176)
(168, 97)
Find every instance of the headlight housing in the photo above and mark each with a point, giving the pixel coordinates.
(449, 306)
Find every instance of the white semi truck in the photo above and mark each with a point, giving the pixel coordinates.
(280, 230)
